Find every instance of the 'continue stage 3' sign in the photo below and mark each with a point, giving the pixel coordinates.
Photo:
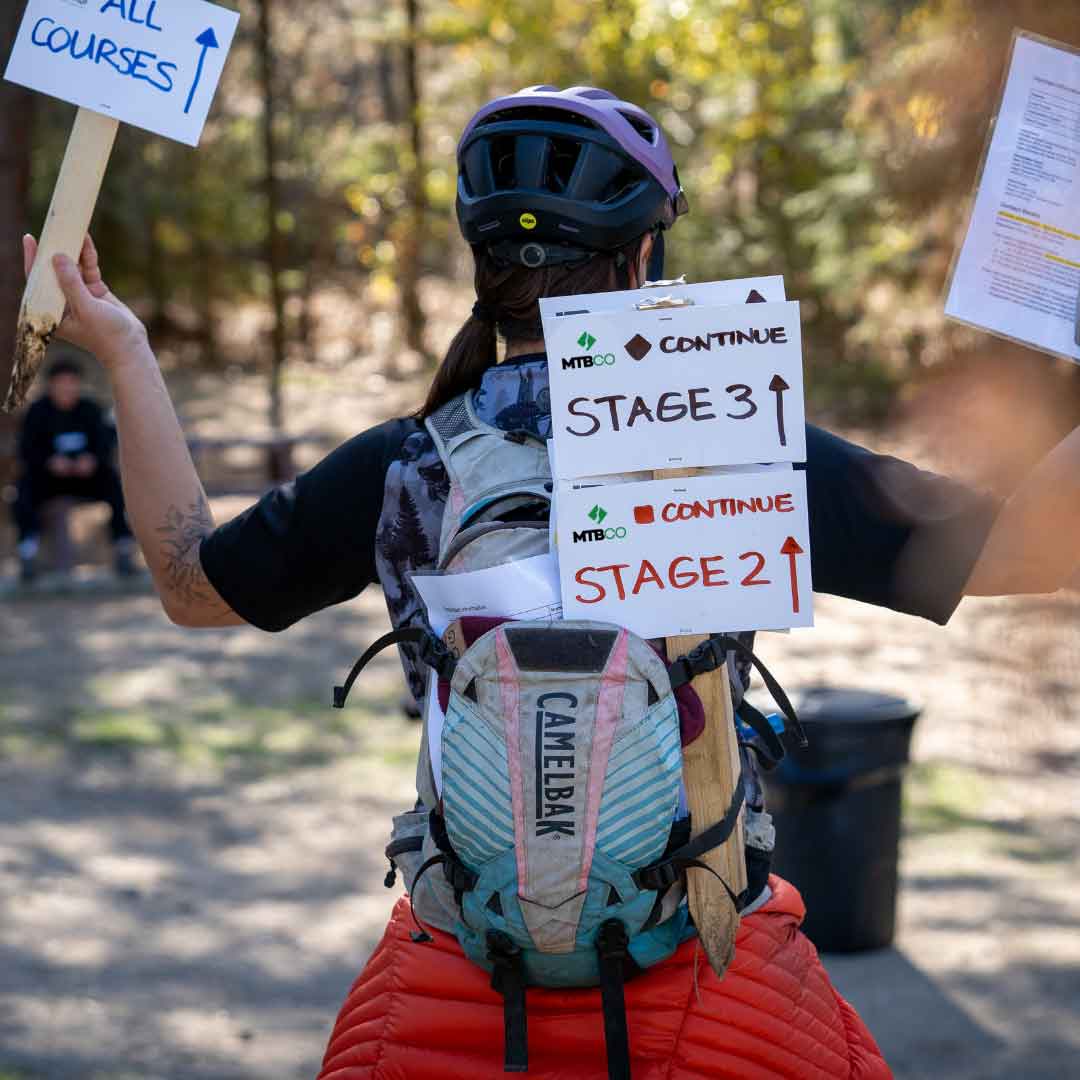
(676, 388)
(151, 63)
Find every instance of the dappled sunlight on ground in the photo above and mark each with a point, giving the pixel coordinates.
(985, 978)
(191, 840)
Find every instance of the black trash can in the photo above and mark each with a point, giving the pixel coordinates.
(836, 807)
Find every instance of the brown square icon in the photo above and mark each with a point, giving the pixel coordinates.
(638, 347)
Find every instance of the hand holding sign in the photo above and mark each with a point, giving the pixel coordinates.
(94, 318)
(153, 63)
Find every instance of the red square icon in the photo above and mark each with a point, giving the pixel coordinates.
(644, 515)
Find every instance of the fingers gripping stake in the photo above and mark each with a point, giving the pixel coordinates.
(711, 768)
(72, 207)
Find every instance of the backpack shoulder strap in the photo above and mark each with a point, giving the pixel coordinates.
(482, 462)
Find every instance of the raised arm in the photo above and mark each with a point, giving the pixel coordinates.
(165, 500)
(1034, 546)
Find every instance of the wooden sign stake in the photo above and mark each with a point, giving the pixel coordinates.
(72, 207)
(711, 768)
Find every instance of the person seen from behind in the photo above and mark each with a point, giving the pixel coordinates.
(560, 193)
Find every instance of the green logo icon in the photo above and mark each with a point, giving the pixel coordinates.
(597, 513)
(586, 341)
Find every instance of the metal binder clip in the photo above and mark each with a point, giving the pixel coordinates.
(652, 303)
(665, 283)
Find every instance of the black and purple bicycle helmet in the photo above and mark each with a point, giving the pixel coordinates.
(554, 176)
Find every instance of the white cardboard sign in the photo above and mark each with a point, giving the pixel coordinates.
(152, 63)
(689, 556)
(717, 293)
(676, 388)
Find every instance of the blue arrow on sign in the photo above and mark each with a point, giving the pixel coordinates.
(208, 40)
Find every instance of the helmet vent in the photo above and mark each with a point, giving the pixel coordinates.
(502, 162)
(646, 130)
(561, 162)
(537, 112)
(623, 183)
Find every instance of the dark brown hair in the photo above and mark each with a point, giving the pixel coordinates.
(508, 297)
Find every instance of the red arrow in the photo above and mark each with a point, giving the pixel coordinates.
(778, 386)
(791, 549)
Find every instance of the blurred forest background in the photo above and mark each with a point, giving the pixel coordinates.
(831, 141)
(190, 841)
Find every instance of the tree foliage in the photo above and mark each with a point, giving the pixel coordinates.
(830, 141)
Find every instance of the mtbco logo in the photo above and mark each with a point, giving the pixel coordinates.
(591, 536)
(577, 363)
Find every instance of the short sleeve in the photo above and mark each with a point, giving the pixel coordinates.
(885, 532)
(310, 543)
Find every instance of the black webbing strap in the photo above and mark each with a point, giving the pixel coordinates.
(663, 874)
(711, 653)
(772, 752)
(420, 935)
(401, 846)
(611, 945)
(432, 652)
(404, 844)
(508, 979)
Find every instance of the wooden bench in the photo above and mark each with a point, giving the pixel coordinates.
(274, 456)
(59, 545)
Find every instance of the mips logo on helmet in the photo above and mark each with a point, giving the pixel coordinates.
(589, 536)
(527, 220)
(588, 359)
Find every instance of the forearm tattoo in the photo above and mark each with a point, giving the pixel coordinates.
(181, 535)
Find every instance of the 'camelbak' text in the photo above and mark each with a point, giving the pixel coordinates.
(556, 737)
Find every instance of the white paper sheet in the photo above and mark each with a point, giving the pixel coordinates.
(526, 589)
(1018, 272)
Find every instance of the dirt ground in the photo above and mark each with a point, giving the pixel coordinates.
(190, 838)
(190, 867)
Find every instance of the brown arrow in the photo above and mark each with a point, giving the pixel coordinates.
(778, 386)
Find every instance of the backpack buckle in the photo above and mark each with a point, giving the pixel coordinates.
(437, 656)
(706, 656)
(657, 878)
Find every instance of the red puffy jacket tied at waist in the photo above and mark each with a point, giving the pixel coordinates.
(425, 1012)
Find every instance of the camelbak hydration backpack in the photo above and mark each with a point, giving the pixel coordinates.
(551, 844)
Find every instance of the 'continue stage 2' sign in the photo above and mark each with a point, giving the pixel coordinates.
(690, 555)
(151, 63)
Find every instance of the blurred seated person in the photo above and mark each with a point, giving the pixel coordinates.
(64, 449)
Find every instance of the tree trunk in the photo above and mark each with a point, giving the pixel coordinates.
(384, 67)
(411, 236)
(275, 248)
(16, 112)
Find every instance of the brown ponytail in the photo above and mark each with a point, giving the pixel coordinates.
(473, 350)
(508, 298)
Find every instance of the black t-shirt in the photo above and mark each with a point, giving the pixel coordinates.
(48, 430)
(881, 531)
